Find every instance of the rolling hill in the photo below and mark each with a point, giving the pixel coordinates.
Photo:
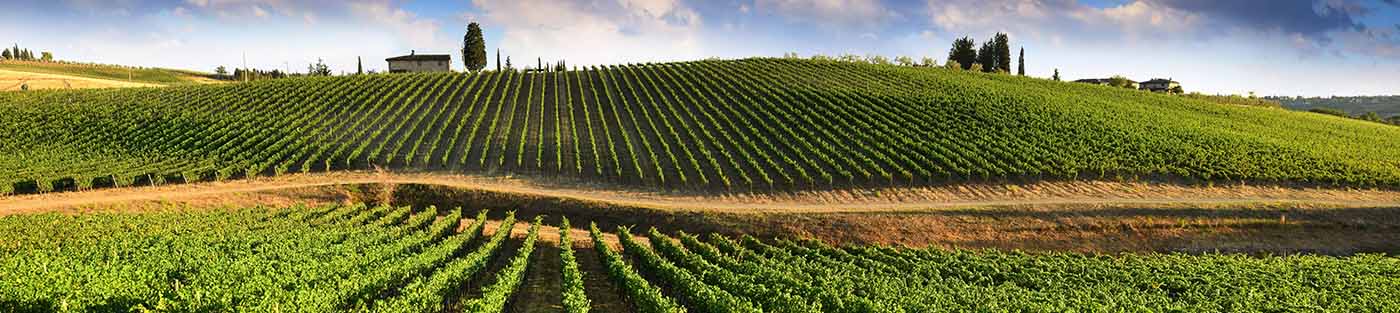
(752, 124)
(63, 75)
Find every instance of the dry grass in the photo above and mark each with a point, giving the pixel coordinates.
(14, 80)
(825, 201)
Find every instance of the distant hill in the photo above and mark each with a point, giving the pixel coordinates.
(752, 124)
(1386, 106)
(98, 75)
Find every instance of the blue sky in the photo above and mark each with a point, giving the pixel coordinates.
(1271, 47)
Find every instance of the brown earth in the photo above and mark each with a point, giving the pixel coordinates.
(1094, 216)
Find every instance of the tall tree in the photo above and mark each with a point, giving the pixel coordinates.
(220, 71)
(986, 56)
(1002, 44)
(498, 60)
(1056, 77)
(318, 69)
(359, 66)
(1021, 63)
(474, 49)
(963, 52)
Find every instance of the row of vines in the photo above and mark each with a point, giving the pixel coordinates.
(702, 125)
(403, 259)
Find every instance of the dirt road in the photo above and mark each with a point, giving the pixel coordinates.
(829, 201)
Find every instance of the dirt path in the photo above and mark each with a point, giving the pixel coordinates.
(1086, 193)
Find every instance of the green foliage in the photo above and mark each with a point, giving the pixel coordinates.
(575, 298)
(1021, 63)
(1056, 76)
(1121, 82)
(1001, 44)
(964, 52)
(755, 124)
(494, 296)
(318, 69)
(646, 298)
(474, 48)
(397, 259)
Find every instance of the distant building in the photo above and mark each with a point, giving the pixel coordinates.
(1105, 82)
(1095, 81)
(1160, 85)
(418, 63)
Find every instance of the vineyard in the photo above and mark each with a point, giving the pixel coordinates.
(404, 259)
(752, 124)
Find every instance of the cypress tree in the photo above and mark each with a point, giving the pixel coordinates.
(474, 49)
(963, 52)
(1021, 63)
(359, 66)
(498, 60)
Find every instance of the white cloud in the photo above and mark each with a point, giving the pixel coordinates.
(1051, 20)
(864, 13)
(597, 33)
(416, 31)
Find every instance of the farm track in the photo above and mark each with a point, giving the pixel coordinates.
(1083, 193)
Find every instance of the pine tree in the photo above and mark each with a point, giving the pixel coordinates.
(1002, 44)
(1021, 63)
(963, 52)
(474, 49)
(986, 56)
(1057, 75)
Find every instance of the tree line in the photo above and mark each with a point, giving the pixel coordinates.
(17, 54)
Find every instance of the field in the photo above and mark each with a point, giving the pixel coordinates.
(428, 259)
(739, 125)
(753, 185)
(108, 73)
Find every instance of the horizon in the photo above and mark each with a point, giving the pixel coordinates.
(1272, 48)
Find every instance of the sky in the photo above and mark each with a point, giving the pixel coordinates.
(1269, 47)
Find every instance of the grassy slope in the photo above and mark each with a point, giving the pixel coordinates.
(140, 75)
(854, 122)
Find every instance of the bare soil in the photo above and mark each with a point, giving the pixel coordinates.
(1090, 216)
(1088, 193)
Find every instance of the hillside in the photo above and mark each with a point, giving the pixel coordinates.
(1385, 106)
(60, 75)
(755, 124)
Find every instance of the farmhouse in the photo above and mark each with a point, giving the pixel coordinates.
(1106, 82)
(1160, 85)
(417, 63)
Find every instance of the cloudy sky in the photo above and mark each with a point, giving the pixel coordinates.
(1271, 47)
